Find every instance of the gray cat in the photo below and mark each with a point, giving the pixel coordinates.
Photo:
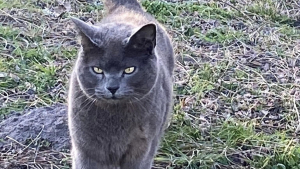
(120, 92)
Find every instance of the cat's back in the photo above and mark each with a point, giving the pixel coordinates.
(128, 11)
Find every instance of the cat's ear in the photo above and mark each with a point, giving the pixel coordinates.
(144, 38)
(86, 33)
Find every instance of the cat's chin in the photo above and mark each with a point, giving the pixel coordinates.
(113, 99)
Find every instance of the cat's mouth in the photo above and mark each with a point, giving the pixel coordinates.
(114, 97)
(111, 97)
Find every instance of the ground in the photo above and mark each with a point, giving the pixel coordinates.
(236, 84)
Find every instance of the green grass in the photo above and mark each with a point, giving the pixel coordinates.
(32, 70)
(237, 99)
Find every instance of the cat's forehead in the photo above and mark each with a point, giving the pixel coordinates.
(111, 39)
(113, 32)
(111, 56)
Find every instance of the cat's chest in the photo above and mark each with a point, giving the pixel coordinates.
(115, 120)
(119, 122)
(111, 127)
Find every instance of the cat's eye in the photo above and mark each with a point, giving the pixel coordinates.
(97, 70)
(129, 70)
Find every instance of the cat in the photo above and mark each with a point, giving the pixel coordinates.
(120, 94)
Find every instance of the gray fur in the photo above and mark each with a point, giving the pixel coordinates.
(120, 130)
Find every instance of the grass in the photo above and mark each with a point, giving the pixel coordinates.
(31, 70)
(237, 92)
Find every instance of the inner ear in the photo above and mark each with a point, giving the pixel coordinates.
(144, 38)
(87, 34)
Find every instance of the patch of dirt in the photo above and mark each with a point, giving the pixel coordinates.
(36, 138)
(46, 124)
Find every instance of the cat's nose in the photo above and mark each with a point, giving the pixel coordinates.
(113, 89)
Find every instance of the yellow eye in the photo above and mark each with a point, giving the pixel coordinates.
(97, 70)
(129, 70)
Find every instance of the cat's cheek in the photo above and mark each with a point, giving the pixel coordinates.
(87, 83)
(85, 80)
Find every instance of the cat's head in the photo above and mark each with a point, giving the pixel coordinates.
(116, 62)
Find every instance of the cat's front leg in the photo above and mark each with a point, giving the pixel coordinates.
(134, 157)
(83, 162)
(140, 156)
(150, 156)
(143, 161)
(136, 163)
